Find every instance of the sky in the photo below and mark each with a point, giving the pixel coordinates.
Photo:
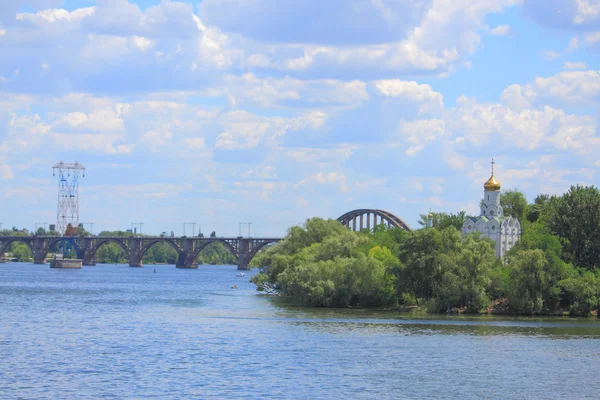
(271, 112)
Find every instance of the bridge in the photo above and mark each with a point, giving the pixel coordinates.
(188, 248)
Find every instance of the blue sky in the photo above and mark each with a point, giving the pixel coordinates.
(271, 112)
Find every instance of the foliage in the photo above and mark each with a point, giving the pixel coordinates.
(514, 203)
(528, 279)
(575, 217)
(465, 274)
(552, 269)
(581, 293)
(322, 264)
(442, 221)
(21, 251)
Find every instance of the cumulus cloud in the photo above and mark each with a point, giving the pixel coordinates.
(246, 131)
(501, 30)
(574, 15)
(423, 94)
(574, 87)
(574, 65)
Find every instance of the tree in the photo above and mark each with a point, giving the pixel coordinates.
(465, 275)
(513, 203)
(575, 217)
(418, 254)
(581, 294)
(535, 210)
(442, 221)
(527, 281)
(21, 252)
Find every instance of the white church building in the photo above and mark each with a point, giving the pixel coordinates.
(491, 223)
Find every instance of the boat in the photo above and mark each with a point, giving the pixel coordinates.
(241, 274)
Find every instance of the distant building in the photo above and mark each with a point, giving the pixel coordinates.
(505, 232)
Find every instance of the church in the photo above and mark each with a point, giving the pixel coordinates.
(491, 223)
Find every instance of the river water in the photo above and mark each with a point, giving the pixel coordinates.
(116, 332)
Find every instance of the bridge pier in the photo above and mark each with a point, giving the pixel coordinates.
(243, 254)
(39, 251)
(185, 257)
(135, 253)
(86, 253)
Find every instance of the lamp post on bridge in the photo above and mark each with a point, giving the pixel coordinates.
(193, 224)
(40, 224)
(241, 225)
(136, 224)
(91, 224)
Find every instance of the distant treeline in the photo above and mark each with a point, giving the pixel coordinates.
(554, 269)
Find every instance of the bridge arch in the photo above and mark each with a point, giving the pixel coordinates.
(5, 244)
(51, 244)
(204, 244)
(102, 241)
(259, 246)
(367, 218)
(148, 244)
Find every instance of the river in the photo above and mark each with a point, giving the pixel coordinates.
(115, 332)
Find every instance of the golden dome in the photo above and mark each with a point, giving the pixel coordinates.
(492, 184)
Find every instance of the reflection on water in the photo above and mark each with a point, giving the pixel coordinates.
(117, 332)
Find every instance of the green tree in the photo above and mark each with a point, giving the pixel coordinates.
(581, 294)
(535, 210)
(418, 254)
(465, 275)
(21, 251)
(576, 219)
(527, 282)
(514, 203)
(442, 221)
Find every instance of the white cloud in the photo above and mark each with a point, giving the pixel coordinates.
(337, 179)
(243, 130)
(5, 172)
(574, 65)
(301, 202)
(421, 93)
(564, 14)
(549, 55)
(260, 172)
(574, 87)
(268, 92)
(418, 133)
(194, 143)
(501, 30)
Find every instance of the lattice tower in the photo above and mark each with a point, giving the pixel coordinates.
(68, 194)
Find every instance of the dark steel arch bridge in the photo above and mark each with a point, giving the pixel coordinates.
(362, 218)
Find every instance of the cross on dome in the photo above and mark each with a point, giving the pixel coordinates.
(492, 184)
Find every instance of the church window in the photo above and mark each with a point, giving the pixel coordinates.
(484, 212)
(469, 227)
(492, 212)
(493, 228)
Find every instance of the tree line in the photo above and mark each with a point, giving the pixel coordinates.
(553, 269)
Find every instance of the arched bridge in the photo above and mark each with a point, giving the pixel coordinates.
(362, 218)
(188, 248)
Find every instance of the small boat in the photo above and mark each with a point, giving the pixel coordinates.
(241, 274)
(234, 287)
